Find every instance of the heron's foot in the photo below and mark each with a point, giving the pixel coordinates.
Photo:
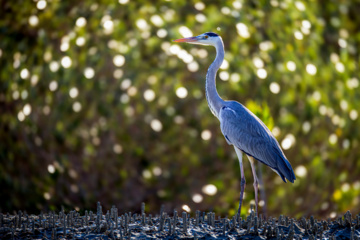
(256, 187)
(252, 210)
(239, 209)
(242, 188)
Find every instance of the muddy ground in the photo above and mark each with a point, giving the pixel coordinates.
(204, 225)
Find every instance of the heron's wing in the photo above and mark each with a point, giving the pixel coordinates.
(248, 133)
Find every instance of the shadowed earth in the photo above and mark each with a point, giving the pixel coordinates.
(73, 225)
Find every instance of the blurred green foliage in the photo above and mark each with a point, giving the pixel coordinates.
(97, 103)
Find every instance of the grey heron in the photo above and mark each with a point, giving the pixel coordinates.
(240, 127)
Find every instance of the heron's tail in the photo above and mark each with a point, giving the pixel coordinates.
(285, 170)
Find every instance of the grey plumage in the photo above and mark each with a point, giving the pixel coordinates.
(239, 125)
(246, 131)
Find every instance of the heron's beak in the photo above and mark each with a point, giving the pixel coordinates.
(189, 39)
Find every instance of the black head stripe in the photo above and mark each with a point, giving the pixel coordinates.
(211, 34)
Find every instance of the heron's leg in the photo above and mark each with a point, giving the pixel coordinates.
(242, 185)
(256, 182)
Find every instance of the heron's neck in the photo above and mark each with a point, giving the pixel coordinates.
(214, 100)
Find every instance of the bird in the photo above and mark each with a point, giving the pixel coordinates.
(240, 127)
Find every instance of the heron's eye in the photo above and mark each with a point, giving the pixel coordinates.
(206, 36)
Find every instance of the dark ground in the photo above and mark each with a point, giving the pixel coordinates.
(91, 225)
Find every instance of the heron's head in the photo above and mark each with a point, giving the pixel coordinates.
(208, 38)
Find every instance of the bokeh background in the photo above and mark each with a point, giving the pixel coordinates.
(98, 104)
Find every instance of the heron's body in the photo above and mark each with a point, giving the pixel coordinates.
(239, 125)
(248, 133)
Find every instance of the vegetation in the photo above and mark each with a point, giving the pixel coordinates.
(97, 104)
